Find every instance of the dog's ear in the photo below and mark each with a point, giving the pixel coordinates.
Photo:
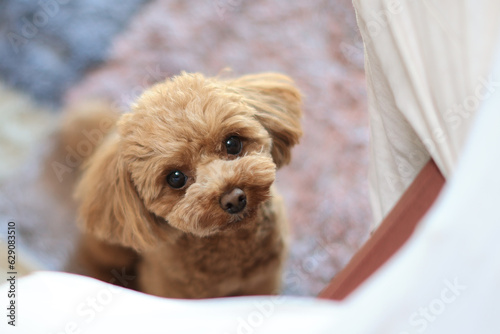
(277, 105)
(110, 207)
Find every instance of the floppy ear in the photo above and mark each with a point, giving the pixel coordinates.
(110, 207)
(277, 105)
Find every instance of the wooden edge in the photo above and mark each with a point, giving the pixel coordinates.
(392, 233)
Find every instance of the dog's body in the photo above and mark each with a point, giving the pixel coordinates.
(181, 191)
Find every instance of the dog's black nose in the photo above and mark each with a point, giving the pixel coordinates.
(233, 201)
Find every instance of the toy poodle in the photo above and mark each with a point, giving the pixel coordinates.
(178, 196)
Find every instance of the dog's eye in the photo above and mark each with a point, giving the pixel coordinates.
(176, 179)
(233, 145)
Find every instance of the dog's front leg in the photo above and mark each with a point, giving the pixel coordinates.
(110, 263)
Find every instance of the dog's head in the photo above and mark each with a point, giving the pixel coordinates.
(196, 153)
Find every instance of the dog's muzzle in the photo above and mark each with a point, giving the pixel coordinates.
(233, 201)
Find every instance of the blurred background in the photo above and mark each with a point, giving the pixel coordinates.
(56, 53)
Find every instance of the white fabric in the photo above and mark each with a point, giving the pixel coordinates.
(445, 280)
(427, 65)
(51, 302)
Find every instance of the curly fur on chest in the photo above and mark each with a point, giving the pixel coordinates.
(237, 262)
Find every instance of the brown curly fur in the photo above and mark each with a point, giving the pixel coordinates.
(180, 242)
